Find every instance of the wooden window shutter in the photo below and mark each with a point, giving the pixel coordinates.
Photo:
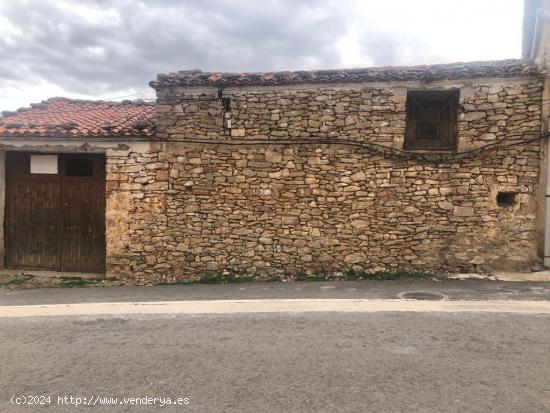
(411, 119)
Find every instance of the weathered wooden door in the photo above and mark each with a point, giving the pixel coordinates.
(56, 221)
(32, 221)
(82, 197)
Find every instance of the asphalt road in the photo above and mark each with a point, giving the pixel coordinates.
(297, 362)
(371, 289)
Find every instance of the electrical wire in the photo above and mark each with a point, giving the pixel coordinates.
(126, 96)
(386, 151)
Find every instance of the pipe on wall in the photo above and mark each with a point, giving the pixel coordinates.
(542, 14)
(547, 199)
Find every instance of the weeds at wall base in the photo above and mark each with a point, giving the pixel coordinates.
(235, 278)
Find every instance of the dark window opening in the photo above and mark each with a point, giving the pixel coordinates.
(506, 199)
(432, 119)
(79, 166)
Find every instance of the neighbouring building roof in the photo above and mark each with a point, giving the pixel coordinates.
(64, 117)
(425, 73)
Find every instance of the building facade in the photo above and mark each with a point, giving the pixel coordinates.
(317, 176)
(433, 168)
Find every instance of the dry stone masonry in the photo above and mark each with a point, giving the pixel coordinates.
(288, 181)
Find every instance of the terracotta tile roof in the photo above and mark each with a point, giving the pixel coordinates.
(63, 117)
(425, 73)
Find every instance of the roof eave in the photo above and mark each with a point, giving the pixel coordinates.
(75, 138)
(509, 68)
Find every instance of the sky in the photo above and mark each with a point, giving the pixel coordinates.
(111, 49)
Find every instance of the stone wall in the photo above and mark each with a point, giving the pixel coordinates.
(291, 186)
(370, 113)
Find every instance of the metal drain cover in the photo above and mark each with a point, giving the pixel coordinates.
(421, 295)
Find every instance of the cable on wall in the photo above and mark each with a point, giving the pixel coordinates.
(386, 151)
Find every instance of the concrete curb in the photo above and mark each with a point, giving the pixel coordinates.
(276, 306)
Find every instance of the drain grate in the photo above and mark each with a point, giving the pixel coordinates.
(421, 295)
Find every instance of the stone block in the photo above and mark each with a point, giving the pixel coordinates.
(355, 258)
(238, 133)
(461, 211)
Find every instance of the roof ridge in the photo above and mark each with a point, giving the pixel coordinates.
(426, 72)
(501, 62)
(99, 101)
(45, 103)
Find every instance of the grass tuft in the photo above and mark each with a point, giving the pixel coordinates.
(72, 282)
(20, 279)
(384, 275)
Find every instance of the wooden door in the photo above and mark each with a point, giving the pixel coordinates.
(56, 221)
(82, 194)
(32, 218)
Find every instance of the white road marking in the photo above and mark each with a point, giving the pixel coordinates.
(276, 306)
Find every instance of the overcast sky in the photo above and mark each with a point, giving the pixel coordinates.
(103, 49)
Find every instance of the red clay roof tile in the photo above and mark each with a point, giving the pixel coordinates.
(64, 117)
